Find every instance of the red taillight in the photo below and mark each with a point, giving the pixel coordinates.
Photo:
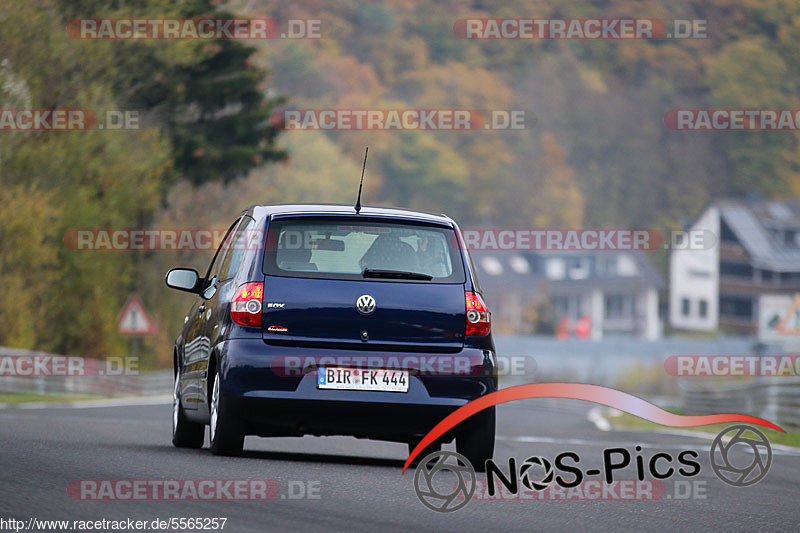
(479, 321)
(246, 304)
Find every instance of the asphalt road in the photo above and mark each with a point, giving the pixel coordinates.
(357, 484)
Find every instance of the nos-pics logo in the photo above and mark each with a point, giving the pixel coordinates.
(445, 481)
(433, 481)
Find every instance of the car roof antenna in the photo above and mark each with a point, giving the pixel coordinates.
(363, 168)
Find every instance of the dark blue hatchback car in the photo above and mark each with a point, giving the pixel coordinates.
(320, 320)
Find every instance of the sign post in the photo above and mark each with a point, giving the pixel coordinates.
(134, 322)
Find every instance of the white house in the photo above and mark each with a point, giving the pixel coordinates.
(757, 253)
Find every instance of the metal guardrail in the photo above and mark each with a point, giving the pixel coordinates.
(101, 381)
(145, 384)
(776, 399)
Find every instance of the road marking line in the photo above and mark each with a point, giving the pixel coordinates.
(595, 416)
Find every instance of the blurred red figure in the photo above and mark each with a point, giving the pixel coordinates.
(583, 329)
(562, 332)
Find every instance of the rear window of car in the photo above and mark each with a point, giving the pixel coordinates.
(343, 248)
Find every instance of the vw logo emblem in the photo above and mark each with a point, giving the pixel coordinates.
(365, 304)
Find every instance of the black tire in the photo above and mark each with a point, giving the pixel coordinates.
(477, 442)
(185, 434)
(412, 443)
(225, 430)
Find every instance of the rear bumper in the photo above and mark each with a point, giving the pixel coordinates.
(268, 417)
(273, 400)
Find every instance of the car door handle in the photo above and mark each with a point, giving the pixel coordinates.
(202, 308)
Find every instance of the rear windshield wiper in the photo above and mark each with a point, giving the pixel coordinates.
(394, 274)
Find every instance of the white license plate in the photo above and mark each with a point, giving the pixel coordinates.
(378, 379)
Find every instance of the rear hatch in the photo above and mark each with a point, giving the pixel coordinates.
(363, 283)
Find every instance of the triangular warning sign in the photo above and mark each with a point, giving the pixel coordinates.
(790, 321)
(134, 320)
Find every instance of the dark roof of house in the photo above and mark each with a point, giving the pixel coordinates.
(526, 271)
(768, 230)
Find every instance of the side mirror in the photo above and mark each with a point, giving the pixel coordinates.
(183, 279)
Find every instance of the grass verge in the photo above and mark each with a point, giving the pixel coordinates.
(626, 421)
(15, 398)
